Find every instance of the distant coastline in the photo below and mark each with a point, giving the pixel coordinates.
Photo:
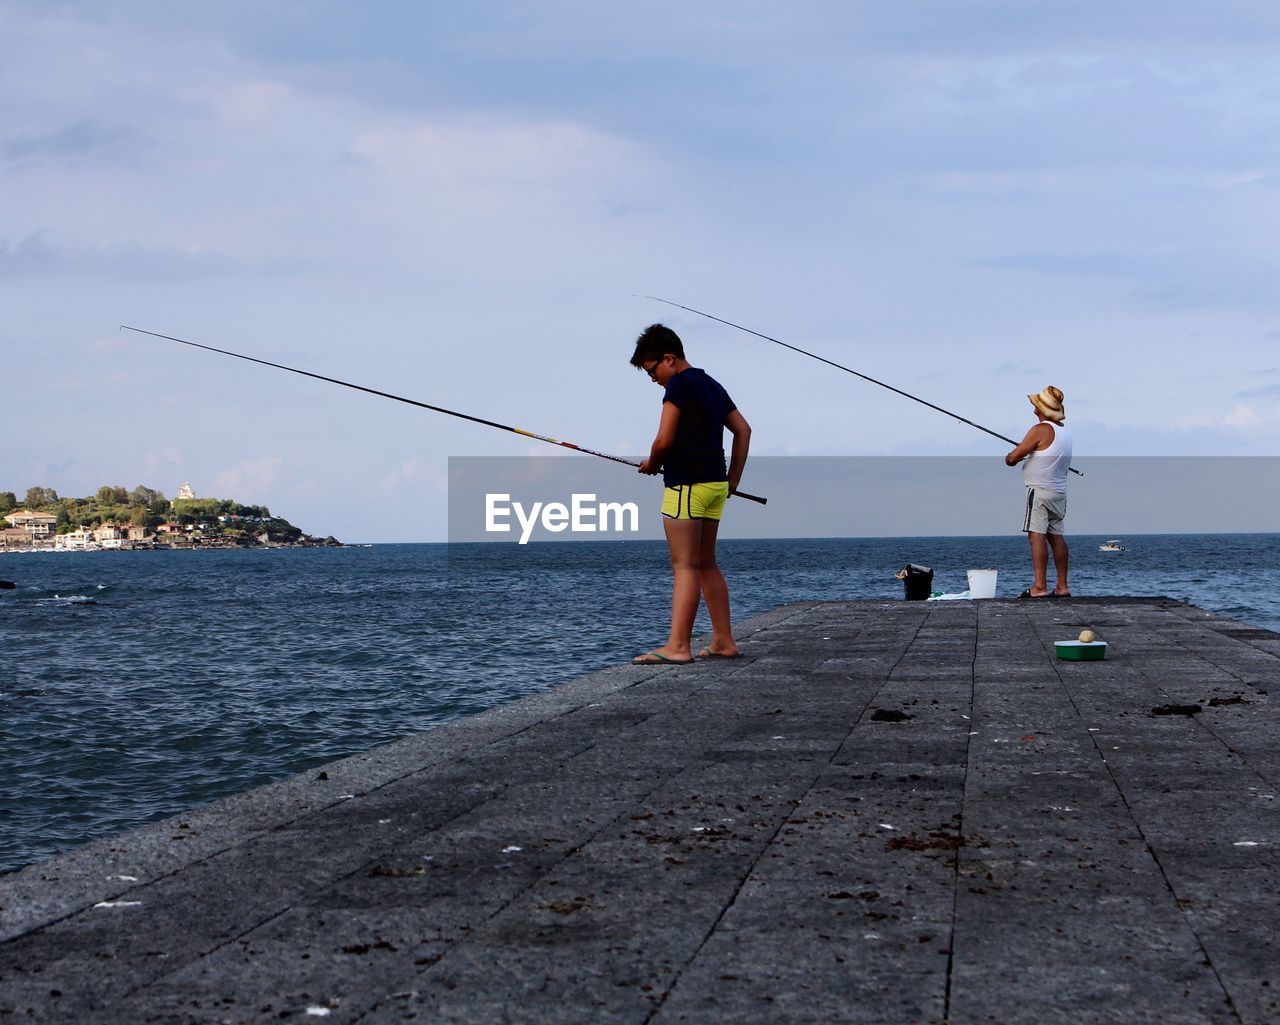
(142, 519)
(203, 544)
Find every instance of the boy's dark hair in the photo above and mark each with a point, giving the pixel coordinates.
(656, 341)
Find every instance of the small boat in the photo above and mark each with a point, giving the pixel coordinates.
(1111, 546)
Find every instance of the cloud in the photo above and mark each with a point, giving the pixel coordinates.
(1269, 391)
(1017, 368)
(493, 175)
(85, 143)
(249, 479)
(248, 106)
(28, 255)
(1158, 271)
(503, 199)
(1241, 418)
(36, 254)
(1108, 264)
(491, 151)
(413, 472)
(110, 346)
(162, 468)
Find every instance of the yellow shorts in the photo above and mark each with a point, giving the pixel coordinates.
(695, 501)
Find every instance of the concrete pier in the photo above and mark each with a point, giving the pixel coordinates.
(887, 812)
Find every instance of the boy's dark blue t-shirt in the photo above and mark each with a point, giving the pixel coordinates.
(697, 456)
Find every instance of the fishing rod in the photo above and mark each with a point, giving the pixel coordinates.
(841, 366)
(413, 402)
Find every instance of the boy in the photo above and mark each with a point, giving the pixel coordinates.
(689, 452)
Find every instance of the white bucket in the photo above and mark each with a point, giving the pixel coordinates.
(982, 583)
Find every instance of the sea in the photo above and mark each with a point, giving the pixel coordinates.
(135, 685)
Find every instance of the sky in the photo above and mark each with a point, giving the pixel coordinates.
(466, 205)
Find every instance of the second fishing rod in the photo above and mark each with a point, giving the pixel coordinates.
(841, 366)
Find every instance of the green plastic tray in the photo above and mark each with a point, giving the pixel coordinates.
(1081, 651)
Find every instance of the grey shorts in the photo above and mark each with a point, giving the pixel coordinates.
(1045, 511)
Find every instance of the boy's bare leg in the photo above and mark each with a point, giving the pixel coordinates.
(684, 539)
(1061, 558)
(715, 592)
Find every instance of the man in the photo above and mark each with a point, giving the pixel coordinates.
(1047, 451)
(689, 452)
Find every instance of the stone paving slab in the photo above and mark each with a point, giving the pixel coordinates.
(888, 812)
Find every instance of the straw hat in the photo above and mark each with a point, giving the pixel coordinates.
(1049, 404)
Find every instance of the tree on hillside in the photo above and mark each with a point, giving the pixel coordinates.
(140, 516)
(110, 494)
(151, 498)
(37, 496)
(188, 510)
(70, 512)
(8, 502)
(282, 530)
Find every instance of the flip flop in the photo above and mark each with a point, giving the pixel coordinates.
(652, 658)
(708, 653)
(1025, 595)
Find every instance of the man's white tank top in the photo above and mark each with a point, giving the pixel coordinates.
(1048, 468)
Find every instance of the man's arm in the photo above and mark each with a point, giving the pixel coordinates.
(666, 437)
(1036, 439)
(741, 431)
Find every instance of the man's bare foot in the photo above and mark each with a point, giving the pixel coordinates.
(710, 652)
